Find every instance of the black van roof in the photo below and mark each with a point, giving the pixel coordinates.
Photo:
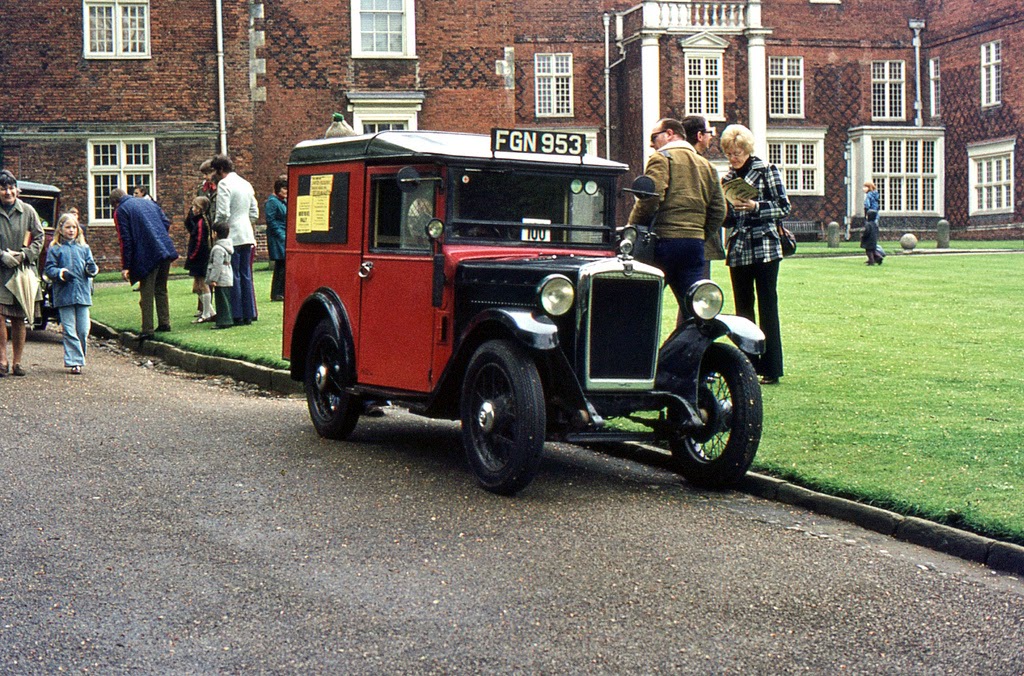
(427, 144)
(38, 188)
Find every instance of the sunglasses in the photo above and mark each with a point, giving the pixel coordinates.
(656, 134)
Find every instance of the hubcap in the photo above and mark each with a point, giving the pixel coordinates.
(321, 377)
(485, 416)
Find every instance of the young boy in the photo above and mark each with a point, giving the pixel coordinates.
(219, 275)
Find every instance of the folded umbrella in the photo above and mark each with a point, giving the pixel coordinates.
(24, 284)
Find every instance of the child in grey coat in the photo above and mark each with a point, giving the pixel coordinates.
(219, 275)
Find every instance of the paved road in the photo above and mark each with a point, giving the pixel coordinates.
(155, 523)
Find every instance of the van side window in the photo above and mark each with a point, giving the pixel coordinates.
(398, 219)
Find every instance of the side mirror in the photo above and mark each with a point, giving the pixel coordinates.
(643, 186)
(408, 179)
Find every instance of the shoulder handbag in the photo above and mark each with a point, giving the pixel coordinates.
(787, 240)
(645, 244)
(646, 239)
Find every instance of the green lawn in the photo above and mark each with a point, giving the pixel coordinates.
(904, 383)
(117, 306)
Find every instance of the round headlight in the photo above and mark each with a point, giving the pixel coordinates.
(705, 299)
(556, 295)
(434, 228)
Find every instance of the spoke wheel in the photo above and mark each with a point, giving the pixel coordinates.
(729, 400)
(333, 410)
(503, 417)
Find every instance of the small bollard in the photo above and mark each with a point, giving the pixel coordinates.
(943, 234)
(833, 235)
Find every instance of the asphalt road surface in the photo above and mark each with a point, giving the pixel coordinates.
(152, 522)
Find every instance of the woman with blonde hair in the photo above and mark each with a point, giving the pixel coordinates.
(754, 249)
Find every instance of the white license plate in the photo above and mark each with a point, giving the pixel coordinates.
(535, 235)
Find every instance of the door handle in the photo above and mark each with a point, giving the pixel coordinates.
(365, 269)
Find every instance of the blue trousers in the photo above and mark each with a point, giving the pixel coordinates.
(74, 320)
(682, 261)
(243, 296)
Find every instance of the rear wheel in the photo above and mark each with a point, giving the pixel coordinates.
(333, 410)
(729, 402)
(503, 417)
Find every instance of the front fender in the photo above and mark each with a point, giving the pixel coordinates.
(747, 335)
(537, 333)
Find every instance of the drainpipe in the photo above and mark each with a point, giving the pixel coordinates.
(917, 25)
(607, 89)
(221, 106)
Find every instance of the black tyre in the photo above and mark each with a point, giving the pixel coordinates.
(503, 417)
(332, 408)
(729, 400)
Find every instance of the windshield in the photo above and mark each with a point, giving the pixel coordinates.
(538, 208)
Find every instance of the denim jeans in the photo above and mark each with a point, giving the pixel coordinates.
(74, 320)
(243, 296)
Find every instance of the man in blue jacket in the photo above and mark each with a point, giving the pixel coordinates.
(146, 254)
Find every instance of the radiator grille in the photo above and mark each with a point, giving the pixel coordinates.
(623, 330)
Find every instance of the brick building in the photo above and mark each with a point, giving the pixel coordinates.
(921, 97)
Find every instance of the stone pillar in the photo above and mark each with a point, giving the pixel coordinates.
(943, 234)
(833, 235)
(757, 84)
(650, 77)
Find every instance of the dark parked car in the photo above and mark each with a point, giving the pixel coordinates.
(46, 201)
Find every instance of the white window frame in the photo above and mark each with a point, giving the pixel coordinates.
(553, 84)
(117, 172)
(992, 73)
(886, 87)
(990, 175)
(407, 39)
(935, 86)
(704, 89)
(789, 84)
(400, 110)
(907, 171)
(783, 143)
(121, 46)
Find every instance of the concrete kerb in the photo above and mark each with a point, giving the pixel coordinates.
(275, 380)
(1002, 556)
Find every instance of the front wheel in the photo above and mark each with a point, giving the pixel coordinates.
(503, 417)
(729, 401)
(333, 410)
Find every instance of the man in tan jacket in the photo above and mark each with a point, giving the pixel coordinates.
(689, 206)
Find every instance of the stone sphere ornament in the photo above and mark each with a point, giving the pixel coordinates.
(908, 241)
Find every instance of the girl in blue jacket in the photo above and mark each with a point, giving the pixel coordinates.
(71, 267)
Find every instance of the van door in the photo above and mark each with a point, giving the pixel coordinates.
(395, 342)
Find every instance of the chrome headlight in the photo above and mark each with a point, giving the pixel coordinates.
(705, 299)
(627, 238)
(556, 295)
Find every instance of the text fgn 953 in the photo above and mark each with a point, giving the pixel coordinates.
(453, 275)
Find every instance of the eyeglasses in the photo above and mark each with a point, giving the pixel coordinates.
(710, 132)
(656, 134)
(735, 153)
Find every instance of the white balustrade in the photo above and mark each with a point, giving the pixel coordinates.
(689, 15)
